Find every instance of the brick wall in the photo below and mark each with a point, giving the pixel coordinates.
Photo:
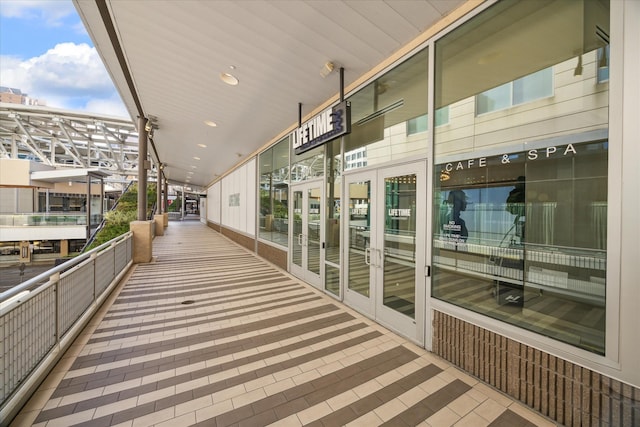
(241, 239)
(567, 393)
(273, 255)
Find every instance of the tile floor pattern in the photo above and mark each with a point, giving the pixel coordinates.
(211, 335)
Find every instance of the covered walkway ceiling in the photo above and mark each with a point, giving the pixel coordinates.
(167, 57)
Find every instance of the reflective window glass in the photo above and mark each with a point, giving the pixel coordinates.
(520, 177)
(274, 192)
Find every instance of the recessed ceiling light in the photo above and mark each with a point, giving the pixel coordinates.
(228, 79)
(202, 145)
(196, 158)
(194, 167)
(210, 123)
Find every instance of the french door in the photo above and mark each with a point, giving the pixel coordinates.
(384, 250)
(306, 231)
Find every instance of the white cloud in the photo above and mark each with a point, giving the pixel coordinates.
(69, 76)
(52, 13)
(110, 107)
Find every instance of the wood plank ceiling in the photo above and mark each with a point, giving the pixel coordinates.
(175, 51)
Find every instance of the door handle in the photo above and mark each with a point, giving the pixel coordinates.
(367, 256)
(380, 258)
(300, 239)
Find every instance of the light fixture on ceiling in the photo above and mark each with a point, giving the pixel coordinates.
(210, 123)
(578, 70)
(202, 145)
(196, 158)
(326, 69)
(229, 79)
(151, 124)
(194, 167)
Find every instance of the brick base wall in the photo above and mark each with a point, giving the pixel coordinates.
(567, 393)
(214, 226)
(241, 239)
(273, 255)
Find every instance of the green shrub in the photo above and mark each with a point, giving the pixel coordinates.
(117, 221)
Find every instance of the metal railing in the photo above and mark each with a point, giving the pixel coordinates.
(40, 318)
(47, 219)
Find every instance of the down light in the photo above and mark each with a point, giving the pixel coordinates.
(229, 79)
(202, 145)
(196, 158)
(210, 123)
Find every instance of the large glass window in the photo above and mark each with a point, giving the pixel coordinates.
(521, 193)
(526, 89)
(333, 209)
(389, 116)
(274, 193)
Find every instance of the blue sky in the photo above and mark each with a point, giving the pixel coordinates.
(46, 52)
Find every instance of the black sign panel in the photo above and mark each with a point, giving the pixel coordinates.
(326, 126)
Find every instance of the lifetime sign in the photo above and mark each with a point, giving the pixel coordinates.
(324, 127)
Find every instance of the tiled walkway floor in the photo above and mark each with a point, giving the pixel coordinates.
(211, 335)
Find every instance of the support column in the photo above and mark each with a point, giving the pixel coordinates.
(184, 204)
(142, 169)
(87, 205)
(159, 217)
(64, 248)
(159, 191)
(166, 201)
(142, 229)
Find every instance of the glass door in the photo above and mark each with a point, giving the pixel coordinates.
(385, 246)
(360, 269)
(306, 233)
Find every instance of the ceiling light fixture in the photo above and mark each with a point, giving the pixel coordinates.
(326, 69)
(229, 79)
(210, 123)
(202, 145)
(196, 158)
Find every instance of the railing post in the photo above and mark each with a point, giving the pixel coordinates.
(114, 258)
(93, 257)
(55, 278)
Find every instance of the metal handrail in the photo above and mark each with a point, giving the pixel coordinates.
(25, 286)
(41, 320)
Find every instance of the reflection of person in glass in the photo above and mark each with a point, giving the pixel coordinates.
(458, 201)
(516, 206)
